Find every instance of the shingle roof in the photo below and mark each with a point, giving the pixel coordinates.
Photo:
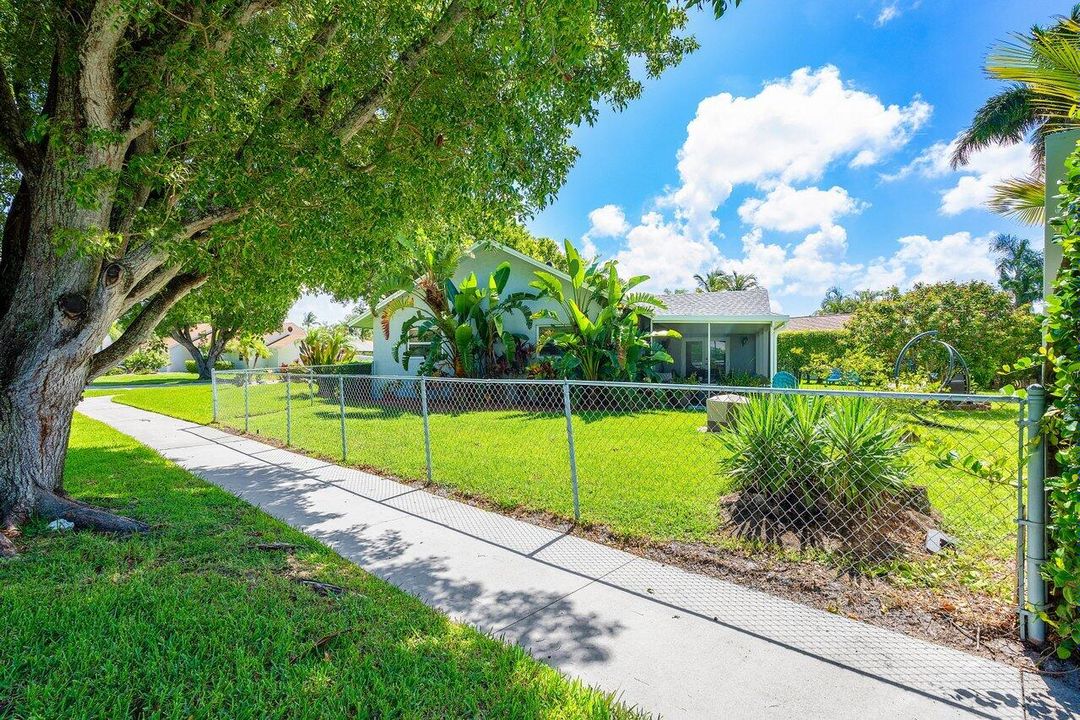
(818, 322)
(732, 303)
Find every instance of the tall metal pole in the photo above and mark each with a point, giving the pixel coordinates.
(427, 430)
(341, 396)
(570, 442)
(247, 377)
(1036, 515)
(288, 410)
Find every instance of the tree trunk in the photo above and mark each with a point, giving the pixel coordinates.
(57, 308)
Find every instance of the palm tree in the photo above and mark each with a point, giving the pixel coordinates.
(836, 301)
(1019, 268)
(309, 320)
(717, 280)
(1044, 87)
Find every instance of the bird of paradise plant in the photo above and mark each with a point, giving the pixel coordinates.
(602, 338)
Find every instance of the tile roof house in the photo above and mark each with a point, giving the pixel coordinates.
(722, 332)
(838, 321)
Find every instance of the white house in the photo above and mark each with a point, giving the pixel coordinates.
(283, 343)
(722, 332)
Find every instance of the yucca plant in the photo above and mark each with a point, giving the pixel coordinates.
(803, 462)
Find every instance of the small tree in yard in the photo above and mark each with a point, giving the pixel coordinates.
(145, 145)
(231, 309)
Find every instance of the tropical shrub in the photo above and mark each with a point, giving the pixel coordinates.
(150, 357)
(795, 349)
(191, 366)
(978, 319)
(1062, 336)
(327, 346)
(742, 379)
(250, 348)
(603, 339)
(814, 465)
(461, 327)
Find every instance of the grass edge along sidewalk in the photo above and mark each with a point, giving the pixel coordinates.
(208, 615)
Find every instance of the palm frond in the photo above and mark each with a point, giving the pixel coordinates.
(1022, 199)
(1005, 118)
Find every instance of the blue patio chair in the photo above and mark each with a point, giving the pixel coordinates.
(835, 377)
(784, 379)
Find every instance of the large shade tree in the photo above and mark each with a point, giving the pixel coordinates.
(142, 142)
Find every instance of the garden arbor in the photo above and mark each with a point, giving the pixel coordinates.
(146, 144)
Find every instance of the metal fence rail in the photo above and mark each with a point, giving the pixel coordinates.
(909, 483)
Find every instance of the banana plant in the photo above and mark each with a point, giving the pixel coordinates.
(461, 326)
(603, 338)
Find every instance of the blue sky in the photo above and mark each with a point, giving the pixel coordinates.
(804, 142)
(846, 106)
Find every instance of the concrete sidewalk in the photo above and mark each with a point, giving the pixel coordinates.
(671, 642)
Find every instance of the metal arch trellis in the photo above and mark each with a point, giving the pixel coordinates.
(955, 358)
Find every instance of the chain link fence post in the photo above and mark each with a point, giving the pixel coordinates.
(570, 443)
(427, 430)
(341, 396)
(1035, 525)
(247, 402)
(213, 393)
(288, 410)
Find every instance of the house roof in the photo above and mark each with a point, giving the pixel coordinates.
(711, 306)
(368, 317)
(818, 322)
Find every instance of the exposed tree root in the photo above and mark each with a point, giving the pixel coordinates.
(7, 548)
(52, 506)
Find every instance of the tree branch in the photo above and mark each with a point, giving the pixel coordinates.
(13, 130)
(109, 21)
(143, 325)
(204, 224)
(150, 285)
(364, 109)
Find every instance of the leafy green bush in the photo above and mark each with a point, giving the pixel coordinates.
(978, 319)
(815, 463)
(741, 379)
(191, 367)
(795, 349)
(327, 346)
(1062, 335)
(150, 357)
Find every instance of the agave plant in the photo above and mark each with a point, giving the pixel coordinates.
(602, 340)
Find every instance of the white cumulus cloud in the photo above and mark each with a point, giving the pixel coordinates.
(791, 131)
(959, 256)
(665, 252)
(606, 221)
(972, 184)
(789, 210)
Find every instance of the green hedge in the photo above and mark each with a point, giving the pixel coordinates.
(190, 366)
(1062, 335)
(794, 349)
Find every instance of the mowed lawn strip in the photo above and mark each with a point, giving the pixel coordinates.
(650, 474)
(135, 380)
(194, 620)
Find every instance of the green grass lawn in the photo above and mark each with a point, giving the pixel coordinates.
(161, 378)
(193, 620)
(650, 474)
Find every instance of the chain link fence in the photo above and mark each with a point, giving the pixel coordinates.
(927, 487)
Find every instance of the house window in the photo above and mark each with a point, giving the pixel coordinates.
(417, 347)
(546, 330)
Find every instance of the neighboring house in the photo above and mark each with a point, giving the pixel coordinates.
(839, 321)
(284, 346)
(722, 332)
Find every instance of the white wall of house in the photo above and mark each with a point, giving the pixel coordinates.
(483, 262)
